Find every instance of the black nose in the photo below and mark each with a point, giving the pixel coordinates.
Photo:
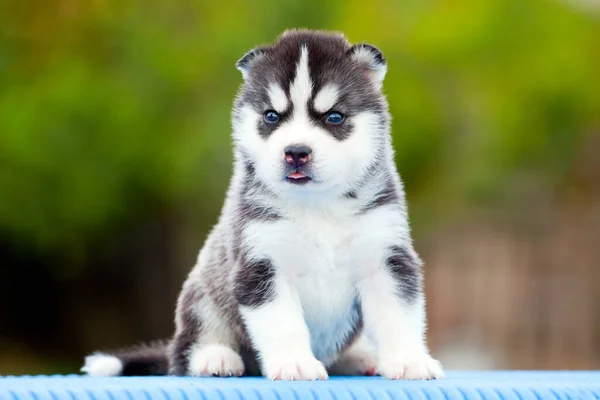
(297, 155)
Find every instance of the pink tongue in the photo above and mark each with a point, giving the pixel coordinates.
(297, 175)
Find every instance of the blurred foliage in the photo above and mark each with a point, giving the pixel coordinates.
(111, 109)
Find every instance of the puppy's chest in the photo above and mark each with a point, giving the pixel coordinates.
(314, 248)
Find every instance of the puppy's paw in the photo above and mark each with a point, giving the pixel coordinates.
(410, 367)
(305, 368)
(215, 360)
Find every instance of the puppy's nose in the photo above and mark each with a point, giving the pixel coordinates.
(297, 155)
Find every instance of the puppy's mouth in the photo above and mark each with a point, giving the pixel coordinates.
(298, 178)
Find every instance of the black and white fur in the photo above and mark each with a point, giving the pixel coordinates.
(302, 278)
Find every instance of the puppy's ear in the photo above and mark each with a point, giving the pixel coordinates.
(373, 61)
(246, 63)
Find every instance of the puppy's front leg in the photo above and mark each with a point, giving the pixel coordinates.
(393, 308)
(273, 317)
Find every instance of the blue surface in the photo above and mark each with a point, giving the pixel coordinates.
(530, 385)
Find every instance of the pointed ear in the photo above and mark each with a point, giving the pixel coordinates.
(373, 61)
(245, 63)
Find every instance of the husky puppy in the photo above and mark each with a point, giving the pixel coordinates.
(310, 269)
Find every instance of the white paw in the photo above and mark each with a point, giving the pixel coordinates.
(411, 367)
(215, 359)
(295, 369)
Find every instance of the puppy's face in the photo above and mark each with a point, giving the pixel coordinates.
(310, 115)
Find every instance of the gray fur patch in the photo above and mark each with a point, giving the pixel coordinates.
(351, 194)
(250, 211)
(254, 284)
(387, 195)
(405, 268)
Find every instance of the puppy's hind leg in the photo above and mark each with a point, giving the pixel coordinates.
(204, 344)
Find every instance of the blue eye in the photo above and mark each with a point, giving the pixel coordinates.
(271, 117)
(334, 118)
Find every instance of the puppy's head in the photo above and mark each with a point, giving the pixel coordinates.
(310, 115)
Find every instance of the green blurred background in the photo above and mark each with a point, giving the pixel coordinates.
(115, 156)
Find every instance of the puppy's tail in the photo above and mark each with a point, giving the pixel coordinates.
(150, 359)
